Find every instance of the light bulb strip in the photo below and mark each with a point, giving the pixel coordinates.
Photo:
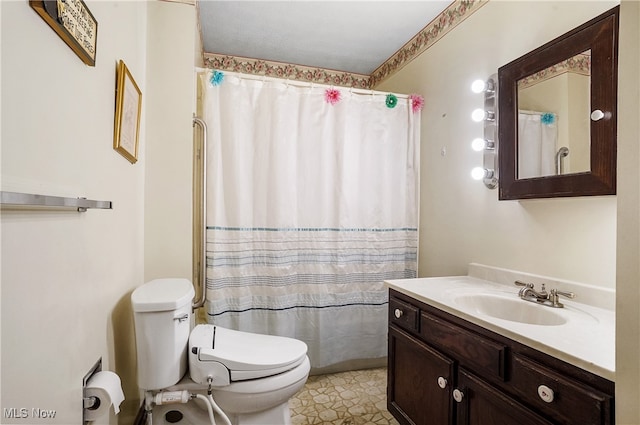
(487, 144)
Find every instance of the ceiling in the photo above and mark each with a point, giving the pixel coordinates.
(348, 36)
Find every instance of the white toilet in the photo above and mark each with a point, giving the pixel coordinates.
(252, 376)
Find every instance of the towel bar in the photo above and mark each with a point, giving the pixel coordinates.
(17, 199)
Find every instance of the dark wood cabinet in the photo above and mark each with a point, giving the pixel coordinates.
(420, 381)
(482, 404)
(444, 370)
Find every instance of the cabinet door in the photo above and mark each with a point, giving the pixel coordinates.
(478, 403)
(420, 382)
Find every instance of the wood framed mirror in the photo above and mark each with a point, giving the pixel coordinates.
(557, 115)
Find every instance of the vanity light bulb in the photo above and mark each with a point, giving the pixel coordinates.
(478, 173)
(478, 86)
(478, 144)
(478, 115)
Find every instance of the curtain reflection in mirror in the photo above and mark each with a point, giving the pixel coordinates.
(538, 135)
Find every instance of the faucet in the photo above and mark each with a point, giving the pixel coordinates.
(528, 293)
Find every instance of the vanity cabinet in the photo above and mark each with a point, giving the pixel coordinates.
(444, 370)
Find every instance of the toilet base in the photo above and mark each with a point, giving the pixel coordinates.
(195, 413)
(192, 413)
(279, 415)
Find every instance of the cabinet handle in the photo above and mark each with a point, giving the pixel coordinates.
(597, 115)
(458, 395)
(442, 382)
(545, 393)
(398, 313)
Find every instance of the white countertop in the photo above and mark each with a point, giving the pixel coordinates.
(586, 339)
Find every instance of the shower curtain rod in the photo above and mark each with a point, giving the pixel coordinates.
(526, 112)
(299, 83)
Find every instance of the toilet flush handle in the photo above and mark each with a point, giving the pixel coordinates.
(182, 318)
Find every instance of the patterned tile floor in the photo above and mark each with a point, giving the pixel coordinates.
(345, 398)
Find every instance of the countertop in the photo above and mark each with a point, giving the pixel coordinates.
(586, 339)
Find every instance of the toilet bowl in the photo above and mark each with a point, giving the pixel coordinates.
(251, 376)
(263, 401)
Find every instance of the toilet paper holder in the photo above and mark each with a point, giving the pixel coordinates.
(90, 402)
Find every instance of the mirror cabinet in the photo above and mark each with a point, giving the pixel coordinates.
(557, 121)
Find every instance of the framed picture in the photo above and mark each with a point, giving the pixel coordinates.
(127, 117)
(74, 23)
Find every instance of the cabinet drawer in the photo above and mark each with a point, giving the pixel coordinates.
(567, 401)
(404, 315)
(483, 355)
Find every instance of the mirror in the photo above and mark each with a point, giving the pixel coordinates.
(557, 115)
(553, 119)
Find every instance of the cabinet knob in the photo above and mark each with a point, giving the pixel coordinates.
(545, 393)
(398, 313)
(458, 395)
(442, 382)
(597, 115)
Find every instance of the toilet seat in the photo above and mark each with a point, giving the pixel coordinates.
(227, 355)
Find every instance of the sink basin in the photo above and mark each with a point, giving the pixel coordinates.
(512, 309)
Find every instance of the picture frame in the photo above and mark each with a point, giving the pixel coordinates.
(74, 23)
(127, 114)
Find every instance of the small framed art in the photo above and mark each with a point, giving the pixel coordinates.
(127, 114)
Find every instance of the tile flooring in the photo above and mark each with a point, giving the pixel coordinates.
(345, 398)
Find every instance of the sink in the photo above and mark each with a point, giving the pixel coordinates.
(512, 309)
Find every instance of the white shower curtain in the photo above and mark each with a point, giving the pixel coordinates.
(311, 205)
(537, 138)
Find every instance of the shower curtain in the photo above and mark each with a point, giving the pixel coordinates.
(537, 138)
(312, 203)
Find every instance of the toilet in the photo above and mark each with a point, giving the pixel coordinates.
(252, 376)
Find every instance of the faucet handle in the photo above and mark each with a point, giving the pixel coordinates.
(521, 283)
(564, 294)
(554, 297)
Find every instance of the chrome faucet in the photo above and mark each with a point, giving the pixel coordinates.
(528, 293)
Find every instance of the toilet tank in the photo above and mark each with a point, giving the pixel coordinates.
(162, 319)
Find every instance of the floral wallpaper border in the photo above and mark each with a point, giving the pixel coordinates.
(453, 15)
(579, 64)
(285, 70)
(457, 12)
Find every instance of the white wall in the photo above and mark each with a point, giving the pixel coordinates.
(461, 220)
(169, 150)
(67, 276)
(628, 258)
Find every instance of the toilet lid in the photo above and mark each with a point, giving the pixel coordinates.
(246, 355)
